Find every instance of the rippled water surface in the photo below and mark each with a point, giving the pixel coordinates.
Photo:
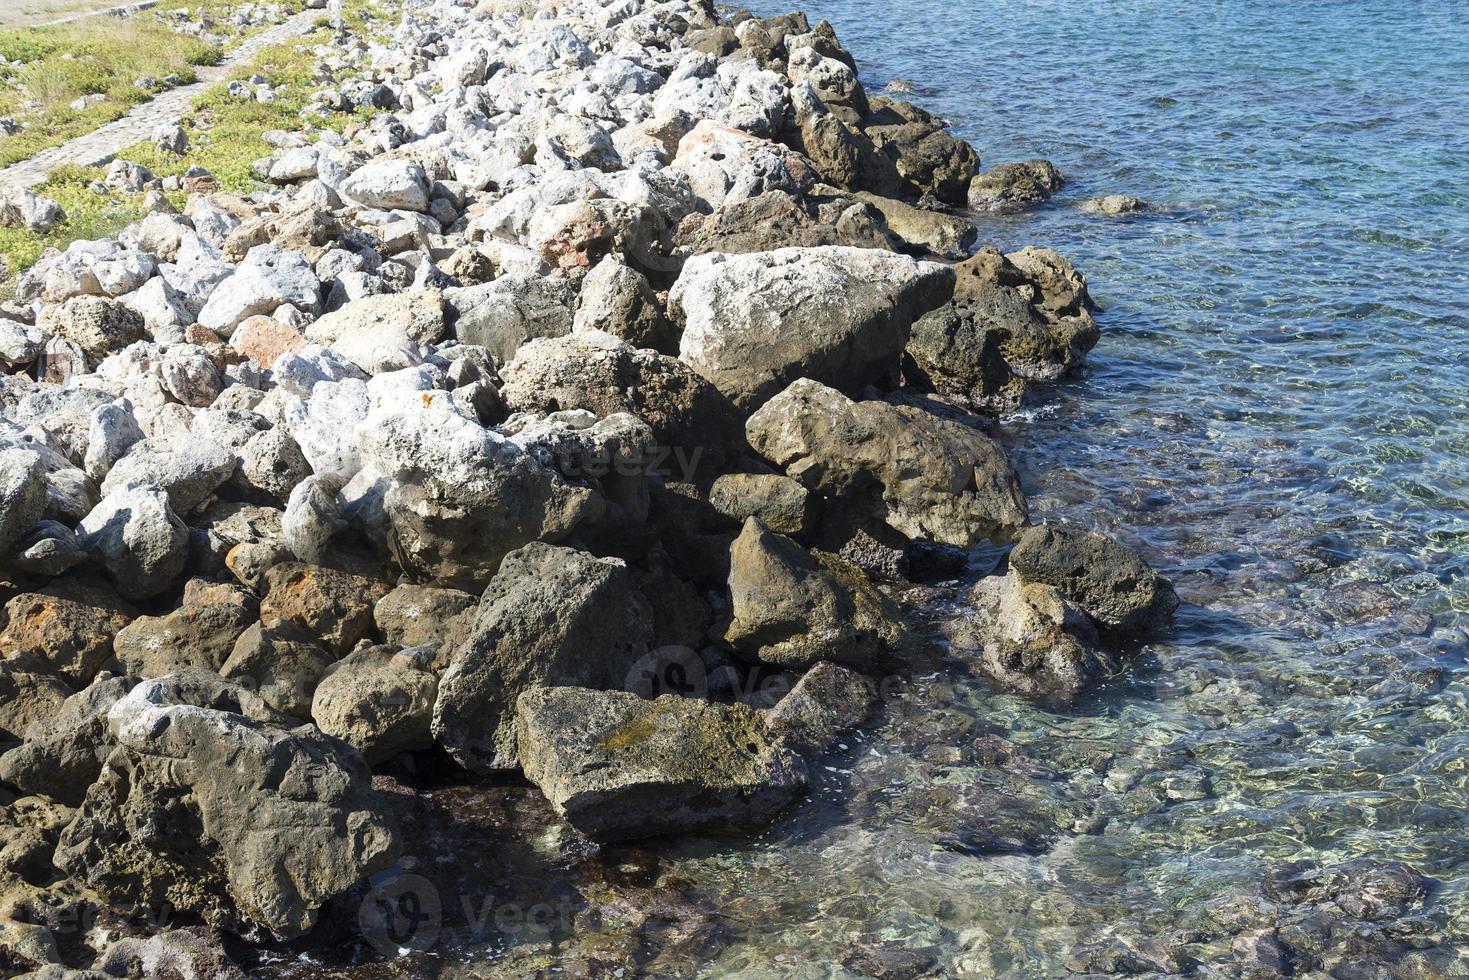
(1276, 416)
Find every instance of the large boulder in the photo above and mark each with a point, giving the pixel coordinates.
(66, 629)
(333, 606)
(245, 824)
(372, 332)
(139, 540)
(22, 494)
(1030, 639)
(925, 476)
(393, 185)
(99, 326)
(505, 313)
(1108, 580)
(1013, 186)
(793, 609)
(378, 701)
(199, 634)
(617, 767)
(281, 662)
(617, 299)
(693, 423)
(754, 323)
(270, 277)
(919, 152)
(551, 616)
(462, 497)
(1015, 319)
(779, 219)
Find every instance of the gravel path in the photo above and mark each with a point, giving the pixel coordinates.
(101, 145)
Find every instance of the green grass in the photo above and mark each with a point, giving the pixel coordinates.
(225, 138)
(103, 55)
(88, 216)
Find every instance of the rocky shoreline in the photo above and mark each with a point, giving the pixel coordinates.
(597, 415)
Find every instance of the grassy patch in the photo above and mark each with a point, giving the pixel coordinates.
(225, 138)
(104, 56)
(88, 216)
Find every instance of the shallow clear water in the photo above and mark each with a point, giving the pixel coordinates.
(1276, 416)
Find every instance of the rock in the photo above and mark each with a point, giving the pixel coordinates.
(93, 268)
(48, 550)
(781, 504)
(272, 465)
(777, 219)
(1030, 639)
(20, 344)
(312, 518)
(792, 609)
(181, 953)
(924, 232)
(269, 278)
(27, 696)
(379, 703)
(171, 138)
(617, 299)
(826, 701)
(263, 339)
(334, 607)
(924, 476)
(1013, 186)
(754, 323)
(138, 538)
(20, 208)
(371, 331)
(1017, 318)
(517, 307)
(217, 815)
(22, 494)
(695, 426)
(394, 185)
(618, 767)
(199, 634)
(1114, 204)
(1109, 581)
(549, 616)
(423, 616)
(463, 497)
(99, 326)
(191, 375)
(921, 156)
(68, 629)
(64, 749)
(188, 475)
(281, 662)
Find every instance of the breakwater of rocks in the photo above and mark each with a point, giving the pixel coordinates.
(595, 418)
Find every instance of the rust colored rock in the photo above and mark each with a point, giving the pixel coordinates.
(263, 339)
(66, 628)
(335, 607)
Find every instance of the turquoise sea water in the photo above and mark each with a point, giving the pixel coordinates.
(1278, 417)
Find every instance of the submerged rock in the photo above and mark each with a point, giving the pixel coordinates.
(1109, 581)
(1013, 186)
(619, 767)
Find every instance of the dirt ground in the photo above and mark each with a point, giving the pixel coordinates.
(24, 13)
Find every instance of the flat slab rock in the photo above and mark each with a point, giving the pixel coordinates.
(618, 767)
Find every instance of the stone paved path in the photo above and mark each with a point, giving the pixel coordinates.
(101, 145)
